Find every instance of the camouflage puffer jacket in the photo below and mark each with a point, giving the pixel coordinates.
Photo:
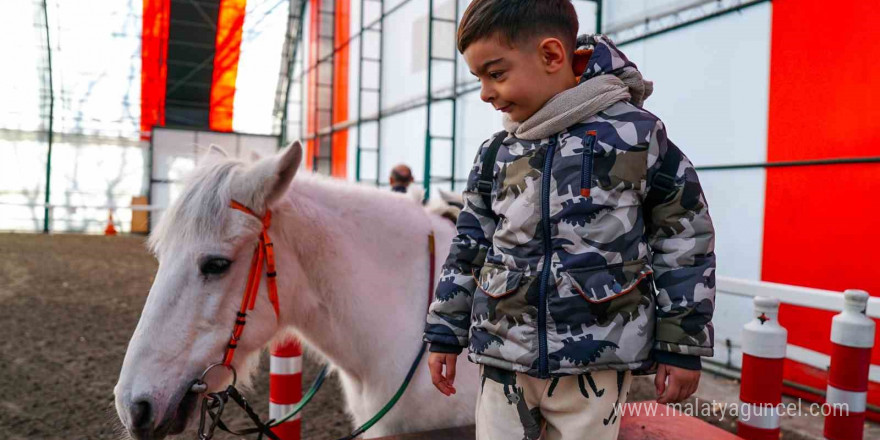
(564, 273)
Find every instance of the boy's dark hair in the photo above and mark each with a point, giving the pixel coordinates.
(518, 20)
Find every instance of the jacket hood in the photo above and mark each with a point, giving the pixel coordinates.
(609, 77)
(607, 59)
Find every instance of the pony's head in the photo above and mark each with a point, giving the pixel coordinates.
(204, 249)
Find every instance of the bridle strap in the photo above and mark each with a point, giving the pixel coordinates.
(264, 252)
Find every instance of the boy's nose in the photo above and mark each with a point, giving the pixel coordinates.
(487, 94)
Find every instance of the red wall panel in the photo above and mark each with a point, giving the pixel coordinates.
(824, 80)
(821, 222)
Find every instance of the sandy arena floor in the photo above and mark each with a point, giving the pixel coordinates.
(68, 306)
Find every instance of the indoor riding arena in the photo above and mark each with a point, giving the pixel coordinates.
(71, 302)
(231, 219)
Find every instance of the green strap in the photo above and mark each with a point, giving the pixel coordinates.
(412, 369)
(316, 385)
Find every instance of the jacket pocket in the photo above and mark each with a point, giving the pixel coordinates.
(588, 143)
(499, 281)
(601, 284)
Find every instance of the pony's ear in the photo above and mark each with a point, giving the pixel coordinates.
(218, 150)
(286, 164)
(264, 182)
(267, 180)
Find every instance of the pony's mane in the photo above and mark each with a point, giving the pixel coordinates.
(204, 201)
(201, 206)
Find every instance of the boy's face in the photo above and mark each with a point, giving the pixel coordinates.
(516, 80)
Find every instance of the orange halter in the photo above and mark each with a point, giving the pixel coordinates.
(263, 251)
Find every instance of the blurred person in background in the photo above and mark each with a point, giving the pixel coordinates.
(400, 179)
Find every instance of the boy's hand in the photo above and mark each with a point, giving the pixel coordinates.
(682, 383)
(436, 361)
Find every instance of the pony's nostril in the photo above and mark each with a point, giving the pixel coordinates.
(141, 415)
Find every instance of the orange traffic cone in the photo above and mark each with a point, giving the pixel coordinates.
(110, 229)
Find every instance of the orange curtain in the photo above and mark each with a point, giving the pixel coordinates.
(340, 88)
(227, 51)
(154, 69)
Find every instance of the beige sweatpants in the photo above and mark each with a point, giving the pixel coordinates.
(514, 406)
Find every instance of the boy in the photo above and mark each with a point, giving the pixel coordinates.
(585, 209)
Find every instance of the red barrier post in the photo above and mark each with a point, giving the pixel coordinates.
(285, 387)
(852, 337)
(760, 395)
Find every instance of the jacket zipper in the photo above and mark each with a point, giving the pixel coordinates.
(587, 167)
(548, 255)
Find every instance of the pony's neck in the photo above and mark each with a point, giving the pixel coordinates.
(344, 246)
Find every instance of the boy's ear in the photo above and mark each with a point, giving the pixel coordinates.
(553, 54)
(267, 180)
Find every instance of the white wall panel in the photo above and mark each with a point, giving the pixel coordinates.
(586, 12)
(262, 145)
(477, 121)
(170, 148)
(403, 141)
(736, 204)
(622, 12)
(711, 85)
(403, 80)
(369, 141)
(351, 153)
(203, 140)
(731, 314)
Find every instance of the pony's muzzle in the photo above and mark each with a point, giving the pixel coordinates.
(141, 414)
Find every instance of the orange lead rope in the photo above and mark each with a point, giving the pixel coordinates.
(264, 252)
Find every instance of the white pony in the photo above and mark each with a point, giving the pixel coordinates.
(352, 266)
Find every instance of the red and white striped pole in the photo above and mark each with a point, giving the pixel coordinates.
(852, 337)
(285, 387)
(760, 392)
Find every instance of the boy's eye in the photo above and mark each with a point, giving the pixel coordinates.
(495, 75)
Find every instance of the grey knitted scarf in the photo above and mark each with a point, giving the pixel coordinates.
(581, 102)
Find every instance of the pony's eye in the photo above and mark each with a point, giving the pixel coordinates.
(215, 266)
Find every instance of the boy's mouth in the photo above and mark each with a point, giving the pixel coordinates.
(505, 109)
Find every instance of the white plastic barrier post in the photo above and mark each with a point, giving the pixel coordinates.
(852, 337)
(760, 394)
(285, 387)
